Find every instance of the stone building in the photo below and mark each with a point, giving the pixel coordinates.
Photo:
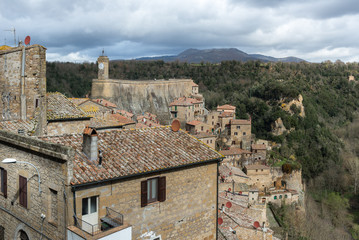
(207, 138)
(195, 127)
(219, 118)
(240, 133)
(259, 176)
(187, 109)
(259, 152)
(120, 184)
(23, 85)
(236, 156)
(30, 208)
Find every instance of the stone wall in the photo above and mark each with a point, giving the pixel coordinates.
(142, 96)
(21, 95)
(66, 127)
(52, 162)
(189, 211)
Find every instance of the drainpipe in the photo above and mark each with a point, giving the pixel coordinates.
(22, 86)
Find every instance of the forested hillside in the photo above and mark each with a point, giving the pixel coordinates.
(318, 142)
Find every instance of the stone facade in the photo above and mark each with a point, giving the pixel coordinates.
(23, 84)
(240, 132)
(54, 164)
(189, 211)
(66, 127)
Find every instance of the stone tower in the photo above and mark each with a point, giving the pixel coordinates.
(103, 67)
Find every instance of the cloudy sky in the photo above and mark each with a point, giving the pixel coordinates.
(78, 30)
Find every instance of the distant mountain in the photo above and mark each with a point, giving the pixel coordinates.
(217, 55)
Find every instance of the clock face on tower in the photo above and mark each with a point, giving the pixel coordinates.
(100, 66)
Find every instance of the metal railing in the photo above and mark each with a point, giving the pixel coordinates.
(111, 220)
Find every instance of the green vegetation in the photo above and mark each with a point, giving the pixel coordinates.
(321, 142)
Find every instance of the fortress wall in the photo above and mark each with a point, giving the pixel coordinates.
(141, 96)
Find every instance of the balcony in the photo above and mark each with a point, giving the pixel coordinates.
(111, 226)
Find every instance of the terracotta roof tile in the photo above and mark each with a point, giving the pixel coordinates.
(59, 107)
(226, 114)
(15, 125)
(105, 103)
(256, 166)
(226, 107)
(234, 151)
(128, 152)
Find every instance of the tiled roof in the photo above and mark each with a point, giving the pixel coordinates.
(59, 107)
(240, 122)
(105, 103)
(128, 152)
(78, 101)
(141, 125)
(15, 125)
(259, 146)
(256, 166)
(97, 122)
(185, 101)
(234, 151)
(226, 107)
(194, 122)
(125, 113)
(194, 84)
(228, 171)
(122, 119)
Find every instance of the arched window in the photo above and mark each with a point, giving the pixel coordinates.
(22, 235)
(280, 196)
(275, 197)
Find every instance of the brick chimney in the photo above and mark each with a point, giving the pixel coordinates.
(90, 144)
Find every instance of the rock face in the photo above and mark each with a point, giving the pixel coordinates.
(278, 127)
(298, 103)
(139, 96)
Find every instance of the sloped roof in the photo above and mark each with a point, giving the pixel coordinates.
(256, 166)
(204, 135)
(240, 122)
(125, 113)
(226, 107)
(234, 151)
(15, 125)
(59, 107)
(132, 151)
(185, 101)
(122, 119)
(78, 101)
(226, 114)
(105, 103)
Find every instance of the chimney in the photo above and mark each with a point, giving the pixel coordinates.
(90, 145)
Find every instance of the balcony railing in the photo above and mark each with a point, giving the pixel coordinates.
(111, 220)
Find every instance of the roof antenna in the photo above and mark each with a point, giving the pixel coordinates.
(103, 52)
(14, 31)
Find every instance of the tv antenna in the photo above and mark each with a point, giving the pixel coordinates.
(14, 31)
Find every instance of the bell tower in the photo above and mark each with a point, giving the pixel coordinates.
(103, 67)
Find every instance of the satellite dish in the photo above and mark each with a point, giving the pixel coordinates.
(228, 204)
(175, 125)
(27, 40)
(240, 193)
(220, 221)
(230, 173)
(256, 224)
(229, 189)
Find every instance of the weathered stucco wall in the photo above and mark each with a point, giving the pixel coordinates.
(141, 96)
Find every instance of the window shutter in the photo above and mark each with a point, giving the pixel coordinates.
(162, 189)
(143, 193)
(5, 182)
(23, 191)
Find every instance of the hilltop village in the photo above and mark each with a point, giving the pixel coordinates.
(164, 167)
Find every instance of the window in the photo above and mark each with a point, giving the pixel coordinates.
(256, 170)
(23, 191)
(202, 128)
(3, 182)
(22, 235)
(212, 118)
(238, 127)
(36, 102)
(153, 190)
(89, 205)
(2, 233)
(175, 115)
(53, 206)
(286, 196)
(280, 196)
(244, 133)
(211, 141)
(175, 108)
(261, 169)
(212, 123)
(235, 133)
(275, 197)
